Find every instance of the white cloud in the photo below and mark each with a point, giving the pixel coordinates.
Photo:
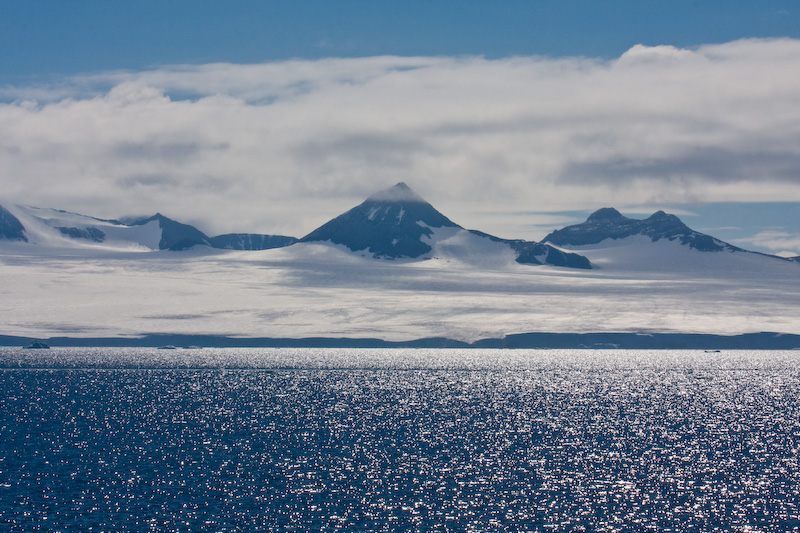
(664, 54)
(282, 147)
(777, 241)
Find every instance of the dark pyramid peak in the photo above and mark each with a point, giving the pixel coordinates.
(400, 205)
(10, 227)
(397, 222)
(174, 235)
(608, 223)
(606, 213)
(391, 223)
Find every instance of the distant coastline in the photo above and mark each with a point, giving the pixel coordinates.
(653, 341)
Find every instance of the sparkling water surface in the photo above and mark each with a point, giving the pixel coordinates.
(398, 440)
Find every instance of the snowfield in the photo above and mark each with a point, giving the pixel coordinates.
(41, 227)
(470, 289)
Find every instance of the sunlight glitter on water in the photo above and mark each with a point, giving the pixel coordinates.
(399, 440)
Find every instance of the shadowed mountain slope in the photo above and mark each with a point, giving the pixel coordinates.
(398, 223)
(250, 241)
(174, 235)
(388, 224)
(608, 223)
(10, 227)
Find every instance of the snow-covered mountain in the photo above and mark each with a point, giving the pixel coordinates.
(608, 223)
(657, 243)
(392, 223)
(471, 288)
(62, 229)
(397, 223)
(174, 235)
(52, 227)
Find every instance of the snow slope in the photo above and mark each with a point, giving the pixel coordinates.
(61, 229)
(608, 223)
(471, 286)
(312, 289)
(660, 243)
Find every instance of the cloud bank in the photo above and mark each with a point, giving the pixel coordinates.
(777, 241)
(283, 147)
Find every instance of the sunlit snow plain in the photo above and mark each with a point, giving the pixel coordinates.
(470, 289)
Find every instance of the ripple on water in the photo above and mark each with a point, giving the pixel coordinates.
(399, 440)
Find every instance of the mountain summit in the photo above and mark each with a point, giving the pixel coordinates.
(399, 193)
(390, 224)
(608, 223)
(397, 222)
(175, 235)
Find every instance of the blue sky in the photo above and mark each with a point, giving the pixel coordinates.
(41, 38)
(511, 117)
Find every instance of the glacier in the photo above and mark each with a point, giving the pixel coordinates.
(423, 277)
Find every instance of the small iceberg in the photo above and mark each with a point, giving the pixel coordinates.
(167, 347)
(37, 345)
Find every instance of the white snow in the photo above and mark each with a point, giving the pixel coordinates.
(470, 289)
(639, 253)
(40, 229)
(456, 244)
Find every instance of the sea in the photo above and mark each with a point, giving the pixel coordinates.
(223, 440)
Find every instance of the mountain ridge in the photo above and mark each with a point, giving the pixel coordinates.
(608, 223)
(397, 223)
(172, 235)
(393, 223)
(175, 235)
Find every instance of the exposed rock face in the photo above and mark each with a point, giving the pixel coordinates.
(388, 224)
(396, 222)
(10, 227)
(174, 235)
(178, 236)
(608, 223)
(89, 234)
(250, 241)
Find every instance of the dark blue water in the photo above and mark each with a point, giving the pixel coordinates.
(399, 440)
